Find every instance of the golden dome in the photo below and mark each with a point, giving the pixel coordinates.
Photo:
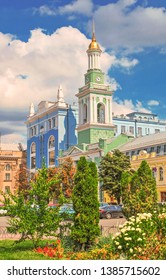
(94, 45)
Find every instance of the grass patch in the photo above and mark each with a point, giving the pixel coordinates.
(10, 250)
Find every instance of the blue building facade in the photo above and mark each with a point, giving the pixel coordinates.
(50, 130)
(138, 124)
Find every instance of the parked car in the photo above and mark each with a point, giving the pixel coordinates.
(103, 204)
(68, 209)
(52, 205)
(111, 211)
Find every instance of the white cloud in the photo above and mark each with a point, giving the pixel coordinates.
(127, 63)
(45, 10)
(83, 7)
(153, 103)
(32, 71)
(131, 26)
(127, 106)
(78, 6)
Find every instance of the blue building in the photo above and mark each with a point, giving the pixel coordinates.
(138, 124)
(50, 130)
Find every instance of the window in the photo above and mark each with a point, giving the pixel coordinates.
(157, 131)
(7, 189)
(33, 156)
(49, 124)
(163, 196)
(51, 150)
(33, 148)
(146, 130)
(34, 130)
(7, 177)
(123, 129)
(164, 148)
(131, 129)
(158, 149)
(53, 122)
(84, 113)
(51, 142)
(151, 149)
(161, 178)
(8, 167)
(31, 131)
(154, 172)
(139, 131)
(100, 113)
(41, 129)
(21, 166)
(52, 157)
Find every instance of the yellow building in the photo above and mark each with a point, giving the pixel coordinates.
(151, 148)
(158, 167)
(12, 158)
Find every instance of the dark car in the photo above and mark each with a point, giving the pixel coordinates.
(111, 211)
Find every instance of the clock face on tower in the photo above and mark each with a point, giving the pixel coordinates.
(98, 78)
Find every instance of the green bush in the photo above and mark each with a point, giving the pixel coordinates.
(142, 237)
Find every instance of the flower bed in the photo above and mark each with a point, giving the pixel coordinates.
(142, 237)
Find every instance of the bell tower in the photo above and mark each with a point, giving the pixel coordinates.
(95, 100)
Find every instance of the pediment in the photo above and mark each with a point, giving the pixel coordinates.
(74, 151)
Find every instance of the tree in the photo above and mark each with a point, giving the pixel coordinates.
(33, 219)
(55, 188)
(67, 172)
(110, 171)
(22, 181)
(140, 192)
(86, 205)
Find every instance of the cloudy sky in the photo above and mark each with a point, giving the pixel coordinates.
(43, 44)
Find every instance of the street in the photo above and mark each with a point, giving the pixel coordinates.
(107, 226)
(103, 222)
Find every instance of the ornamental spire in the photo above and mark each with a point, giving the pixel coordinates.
(31, 110)
(94, 45)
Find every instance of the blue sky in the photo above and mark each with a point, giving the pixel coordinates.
(43, 44)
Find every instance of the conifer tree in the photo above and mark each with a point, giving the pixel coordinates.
(86, 205)
(141, 193)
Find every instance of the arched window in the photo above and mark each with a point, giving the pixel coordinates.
(154, 172)
(51, 150)
(84, 113)
(7, 167)
(33, 156)
(51, 142)
(100, 113)
(33, 148)
(161, 178)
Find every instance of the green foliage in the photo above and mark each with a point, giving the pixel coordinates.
(139, 191)
(143, 237)
(32, 218)
(110, 171)
(86, 205)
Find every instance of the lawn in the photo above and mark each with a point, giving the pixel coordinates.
(10, 250)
